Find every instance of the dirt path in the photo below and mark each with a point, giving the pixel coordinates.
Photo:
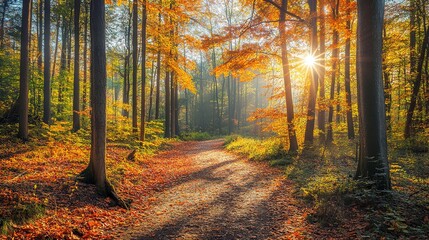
(226, 197)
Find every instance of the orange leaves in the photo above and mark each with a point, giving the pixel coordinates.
(183, 78)
(243, 63)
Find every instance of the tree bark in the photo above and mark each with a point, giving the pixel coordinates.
(24, 70)
(322, 112)
(134, 39)
(76, 85)
(158, 70)
(311, 111)
(349, 112)
(149, 118)
(96, 171)
(39, 34)
(373, 161)
(47, 69)
(85, 62)
(293, 143)
(335, 55)
(143, 87)
(167, 126)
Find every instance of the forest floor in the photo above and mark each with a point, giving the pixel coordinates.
(193, 190)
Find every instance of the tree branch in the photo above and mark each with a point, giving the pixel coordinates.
(285, 11)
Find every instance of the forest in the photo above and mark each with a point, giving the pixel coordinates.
(214, 119)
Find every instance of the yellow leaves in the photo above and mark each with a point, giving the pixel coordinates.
(183, 78)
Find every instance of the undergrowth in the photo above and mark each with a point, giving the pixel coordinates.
(323, 177)
(52, 159)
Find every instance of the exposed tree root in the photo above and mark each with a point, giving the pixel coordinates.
(87, 177)
(132, 155)
(111, 192)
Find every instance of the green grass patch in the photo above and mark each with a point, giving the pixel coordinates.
(258, 150)
(22, 212)
(196, 136)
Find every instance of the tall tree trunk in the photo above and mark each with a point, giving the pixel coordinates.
(85, 57)
(335, 55)
(387, 86)
(126, 94)
(158, 83)
(76, 85)
(63, 65)
(24, 70)
(416, 86)
(293, 143)
(143, 87)
(152, 72)
(373, 161)
(96, 171)
(412, 37)
(47, 69)
(349, 112)
(69, 40)
(311, 111)
(56, 47)
(167, 126)
(134, 116)
(329, 136)
(322, 102)
(173, 119)
(39, 34)
(158, 70)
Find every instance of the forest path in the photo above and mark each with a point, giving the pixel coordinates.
(226, 197)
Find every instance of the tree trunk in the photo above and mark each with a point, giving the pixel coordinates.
(311, 111)
(39, 34)
(293, 143)
(56, 49)
(416, 86)
(76, 85)
(412, 37)
(85, 53)
(134, 116)
(47, 69)
(96, 171)
(158, 71)
(143, 87)
(63, 64)
(335, 54)
(173, 82)
(322, 112)
(167, 127)
(149, 117)
(158, 83)
(349, 112)
(126, 94)
(24, 70)
(373, 161)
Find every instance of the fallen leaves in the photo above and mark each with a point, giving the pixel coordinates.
(46, 175)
